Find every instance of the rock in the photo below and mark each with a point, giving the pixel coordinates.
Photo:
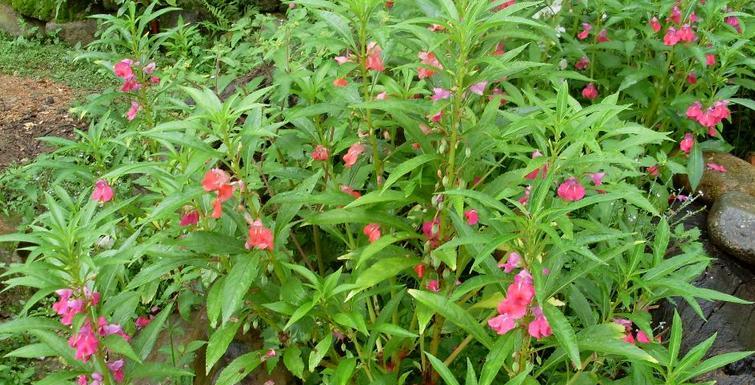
(73, 32)
(734, 323)
(731, 223)
(15, 24)
(739, 176)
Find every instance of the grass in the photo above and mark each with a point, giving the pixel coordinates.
(54, 61)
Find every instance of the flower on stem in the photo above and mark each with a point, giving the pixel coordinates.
(710, 59)
(586, 28)
(372, 231)
(471, 217)
(131, 113)
(734, 22)
(149, 68)
(440, 93)
(686, 144)
(189, 219)
(652, 170)
(85, 342)
(348, 190)
(499, 50)
(433, 285)
(340, 82)
(671, 38)
(123, 69)
(260, 237)
(692, 78)
(655, 24)
(420, 270)
(582, 63)
(603, 36)
(534, 173)
(676, 15)
(116, 368)
(374, 58)
(102, 191)
(571, 190)
(597, 178)
(590, 92)
(320, 153)
(131, 84)
(512, 262)
(539, 327)
(142, 322)
(353, 154)
(478, 88)
(428, 59)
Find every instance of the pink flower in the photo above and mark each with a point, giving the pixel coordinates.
(716, 167)
(131, 113)
(526, 197)
(436, 117)
(154, 80)
(720, 110)
(695, 111)
(478, 88)
(320, 153)
(435, 28)
(214, 179)
(105, 329)
(499, 50)
(602, 36)
(381, 96)
(539, 327)
(570, 190)
(348, 190)
(374, 59)
(642, 337)
(116, 368)
(433, 285)
(734, 22)
(260, 237)
(586, 28)
(430, 229)
(440, 93)
(149, 68)
(597, 178)
(710, 59)
(82, 380)
(686, 34)
(352, 154)
(85, 342)
(502, 324)
(671, 38)
(189, 219)
(428, 59)
(534, 173)
(692, 78)
(676, 15)
(102, 191)
(686, 143)
(653, 170)
(693, 16)
(372, 231)
(511, 263)
(123, 69)
(518, 296)
(96, 379)
(472, 217)
(582, 63)
(142, 322)
(340, 82)
(341, 60)
(590, 92)
(130, 84)
(61, 306)
(271, 353)
(420, 270)
(73, 307)
(655, 25)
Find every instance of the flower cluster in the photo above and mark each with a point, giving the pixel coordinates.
(124, 70)
(711, 116)
(631, 337)
(218, 181)
(516, 305)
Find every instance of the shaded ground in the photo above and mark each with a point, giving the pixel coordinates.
(30, 109)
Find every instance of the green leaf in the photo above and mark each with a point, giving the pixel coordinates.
(716, 362)
(565, 335)
(243, 273)
(344, 371)
(145, 341)
(213, 243)
(321, 349)
(496, 357)
(303, 310)
(442, 369)
(660, 242)
(293, 361)
(117, 344)
(383, 269)
(218, 343)
(454, 313)
(21, 325)
(407, 167)
(394, 330)
(238, 369)
(743, 102)
(695, 166)
(675, 340)
(33, 351)
(339, 23)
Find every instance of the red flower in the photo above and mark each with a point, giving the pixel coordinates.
(428, 59)
(102, 191)
(692, 78)
(260, 237)
(142, 322)
(676, 15)
(590, 92)
(710, 59)
(602, 36)
(652, 170)
(420, 270)
(130, 84)
(499, 50)
(214, 179)
(433, 286)
(116, 367)
(372, 231)
(190, 218)
(582, 63)
(348, 190)
(571, 190)
(472, 217)
(340, 82)
(586, 28)
(389, 4)
(686, 34)
(374, 59)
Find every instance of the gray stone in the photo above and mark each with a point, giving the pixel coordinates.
(731, 223)
(739, 176)
(16, 25)
(73, 32)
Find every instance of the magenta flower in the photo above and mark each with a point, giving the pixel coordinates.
(539, 327)
(534, 173)
(512, 262)
(142, 322)
(603, 36)
(123, 69)
(149, 68)
(686, 143)
(502, 324)
(671, 38)
(518, 296)
(582, 63)
(436, 117)
(590, 92)
(655, 24)
(102, 191)
(676, 15)
(571, 190)
(130, 84)
(472, 217)
(320, 153)
(692, 78)
(734, 22)
(710, 59)
(189, 219)
(85, 342)
(440, 93)
(381, 96)
(428, 59)
(430, 229)
(433, 285)
(686, 34)
(131, 113)
(116, 368)
(597, 178)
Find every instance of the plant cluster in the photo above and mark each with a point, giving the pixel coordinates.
(393, 188)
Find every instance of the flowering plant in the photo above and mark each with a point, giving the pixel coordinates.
(426, 186)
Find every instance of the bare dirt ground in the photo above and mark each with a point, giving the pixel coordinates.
(29, 109)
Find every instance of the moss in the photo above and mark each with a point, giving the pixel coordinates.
(45, 9)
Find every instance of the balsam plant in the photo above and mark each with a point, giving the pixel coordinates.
(415, 186)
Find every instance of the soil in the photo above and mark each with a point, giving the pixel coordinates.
(29, 109)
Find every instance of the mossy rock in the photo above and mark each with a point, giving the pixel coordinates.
(45, 9)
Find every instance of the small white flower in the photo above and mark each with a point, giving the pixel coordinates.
(563, 64)
(559, 30)
(105, 242)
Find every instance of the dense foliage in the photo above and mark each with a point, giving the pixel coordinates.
(381, 190)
